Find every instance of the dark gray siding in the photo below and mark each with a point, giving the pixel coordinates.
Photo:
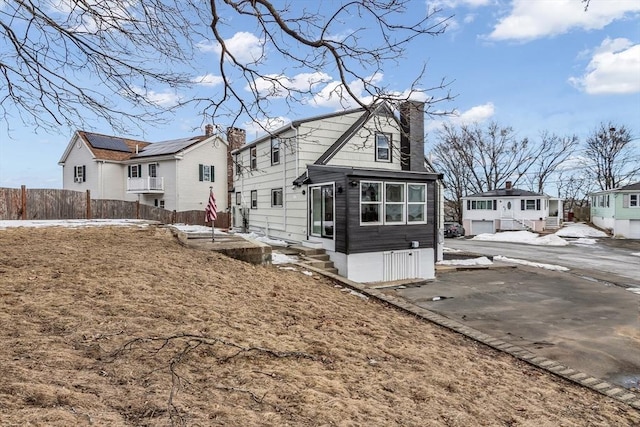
(353, 238)
(321, 176)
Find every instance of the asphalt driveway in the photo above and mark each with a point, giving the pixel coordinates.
(588, 325)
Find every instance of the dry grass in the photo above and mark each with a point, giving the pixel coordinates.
(123, 326)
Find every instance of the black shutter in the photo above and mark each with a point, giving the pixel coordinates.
(200, 172)
(84, 173)
(129, 171)
(537, 204)
(212, 170)
(468, 205)
(495, 205)
(139, 171)
(522, 205)
(75, 172)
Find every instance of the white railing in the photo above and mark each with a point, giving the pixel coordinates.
(516, 224)
(141, 185)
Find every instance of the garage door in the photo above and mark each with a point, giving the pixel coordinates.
(479, 227)
(634, 229)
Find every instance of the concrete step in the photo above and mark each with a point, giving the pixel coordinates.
(319, 257)
(331, 270)
(319, 264)
(303, 250)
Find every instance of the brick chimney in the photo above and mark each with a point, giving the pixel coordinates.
(236, 138)
(507, 185)
(208, 130)
(412, 137)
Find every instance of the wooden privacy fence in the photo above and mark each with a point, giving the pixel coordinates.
(30, 204)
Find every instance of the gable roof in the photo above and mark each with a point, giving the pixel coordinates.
(630, 187)
(297, 123)
(503, 192)
(118, 149)
(380, 109)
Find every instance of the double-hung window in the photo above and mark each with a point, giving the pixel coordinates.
(371, 202)
(253, 158)
(417, 203)
(206, 173)
(153, 170)
(238, 163)
(394, 203)
(383, 147)
(275, 151)
(135, 171)
(634, 200)
(79, 174)
(276, 198)
(254, 199)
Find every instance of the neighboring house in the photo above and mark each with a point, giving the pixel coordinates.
(174, 175)
(510, 209)
(618, 210)
(354, 183)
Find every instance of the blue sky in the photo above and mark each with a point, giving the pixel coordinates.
(531, 64)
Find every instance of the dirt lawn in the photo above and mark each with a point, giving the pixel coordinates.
(124, 326)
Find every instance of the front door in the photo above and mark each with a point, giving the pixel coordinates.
(322, 211)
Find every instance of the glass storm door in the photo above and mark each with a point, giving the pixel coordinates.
(322, 206)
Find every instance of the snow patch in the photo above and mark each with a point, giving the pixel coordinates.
(635, 253)
(447, 250)
(308, 273)
(530, 264)
(472, 261)
(195, 229)
(263, 239)
(75, 223)
(579, 230)
(525, 237)
(277, 258)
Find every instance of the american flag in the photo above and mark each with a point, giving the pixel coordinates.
(211, 211)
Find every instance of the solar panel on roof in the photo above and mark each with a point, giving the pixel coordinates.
(166, 147)
(107, 142)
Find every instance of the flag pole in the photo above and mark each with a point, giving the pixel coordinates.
(213, 229)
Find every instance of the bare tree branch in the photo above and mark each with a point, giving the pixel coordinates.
(68, 63)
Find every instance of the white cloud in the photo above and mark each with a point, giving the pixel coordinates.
(245, 47)
(163, 99)
(208, 80)
(529, 20)
(613, 69)
(278, 85)
(255, 129)
(334, 94)
(477, 114)
(441, 4)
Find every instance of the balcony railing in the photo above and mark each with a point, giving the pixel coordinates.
(145, 185)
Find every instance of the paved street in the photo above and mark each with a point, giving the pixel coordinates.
(608, 256)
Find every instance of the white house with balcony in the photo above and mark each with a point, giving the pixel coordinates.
(174, 175)
(509, 209)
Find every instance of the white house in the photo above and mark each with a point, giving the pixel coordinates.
(174, 175)
(618, 210)
(510, 209)
(353, 183)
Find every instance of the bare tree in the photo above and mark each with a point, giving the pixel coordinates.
(69, 62)
(613, 158)
(552, 152)
(474, 159)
